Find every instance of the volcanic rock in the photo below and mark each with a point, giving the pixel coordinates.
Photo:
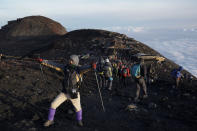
(32, 26)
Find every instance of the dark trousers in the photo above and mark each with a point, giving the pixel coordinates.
(140, 83)
(123, 81)
(177, 82)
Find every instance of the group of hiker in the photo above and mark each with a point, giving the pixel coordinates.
(106, 71)
(122, 72)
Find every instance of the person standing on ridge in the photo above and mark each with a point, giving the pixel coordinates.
(72, 75)
(125, 75)
(120, 67)
(138, 72)
(108, 74)
(100, 71)
(176, 74)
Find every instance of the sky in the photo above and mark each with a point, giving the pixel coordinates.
(169, 26)
(105, 13)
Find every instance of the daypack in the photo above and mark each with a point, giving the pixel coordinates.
(72, 82)
(121, 67)
(135, 71)
(176, 73)
(100, 68)
(126, 72)
(107, 71)
(114, 65)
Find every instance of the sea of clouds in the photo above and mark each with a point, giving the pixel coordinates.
(181, 51)
(179, 45)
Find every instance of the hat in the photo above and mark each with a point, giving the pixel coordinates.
(180, 68)
(75, 59)
(106, 60)
(101, 60)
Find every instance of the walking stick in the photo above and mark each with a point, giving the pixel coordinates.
(99, 91)
(42, 72)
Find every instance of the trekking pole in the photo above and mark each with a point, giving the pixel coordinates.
(99, 91)
(43, 73)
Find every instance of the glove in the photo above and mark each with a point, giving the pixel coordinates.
(39, 60)
(2, 57)
(94, 66)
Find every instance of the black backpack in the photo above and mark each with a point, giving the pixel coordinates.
(100, 67)
(72, 81)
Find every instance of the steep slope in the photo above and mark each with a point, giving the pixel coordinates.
(26, 93)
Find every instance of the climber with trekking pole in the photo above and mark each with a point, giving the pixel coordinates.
(100, 72)
(94, 67)
(108, 74)
(71, 84)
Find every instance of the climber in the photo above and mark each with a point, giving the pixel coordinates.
(72, 75)
(108, 74)
(125, 74)
(100, 72)
(138, 72)
(177, 75)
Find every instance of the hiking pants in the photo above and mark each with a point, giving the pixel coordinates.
(178, 82)
(108, 82)
(140, 83)
(124, 83)
(63, 97)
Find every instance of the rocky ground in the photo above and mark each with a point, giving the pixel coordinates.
(26, 93)
(26, 96)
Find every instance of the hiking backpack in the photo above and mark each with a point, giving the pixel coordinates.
(72, 81)
(176, 73)
(100, 67)
(135, 71)
(126, 72)
(107, 71)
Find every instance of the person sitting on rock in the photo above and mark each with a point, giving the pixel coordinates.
(138, 72)
(72, 75)
(176, 74)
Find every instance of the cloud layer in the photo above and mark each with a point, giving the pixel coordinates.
(182, 51)
(179, 45)
(78, 13)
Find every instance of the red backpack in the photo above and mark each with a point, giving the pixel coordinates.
(126, 72)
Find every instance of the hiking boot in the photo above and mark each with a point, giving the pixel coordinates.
(80, 123)
(145, 96)
(136, 99)
(48, 123)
